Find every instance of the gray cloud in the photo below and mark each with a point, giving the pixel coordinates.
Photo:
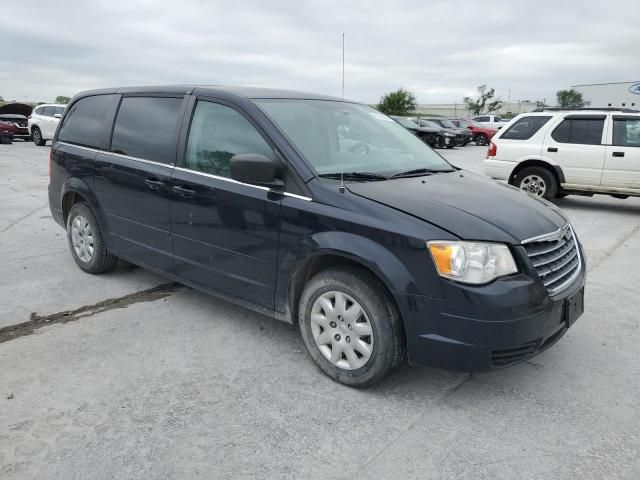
(441, 50)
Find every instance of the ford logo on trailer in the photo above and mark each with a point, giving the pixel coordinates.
(635, 88)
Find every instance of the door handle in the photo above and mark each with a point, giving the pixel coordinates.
(154, 184)
(184, 192)
(617, 154)
(552, 149)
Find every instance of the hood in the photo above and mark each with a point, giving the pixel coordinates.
(470, 206)
(16, 109)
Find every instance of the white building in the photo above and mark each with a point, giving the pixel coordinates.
(460, 109)
(619, 94)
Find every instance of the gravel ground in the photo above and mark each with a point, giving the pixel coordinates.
(125, 375)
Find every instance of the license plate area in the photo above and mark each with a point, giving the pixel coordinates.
(574, 307)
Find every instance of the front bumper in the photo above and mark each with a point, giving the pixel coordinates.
(482, 328)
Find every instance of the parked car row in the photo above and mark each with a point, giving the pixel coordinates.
(440, 132)
(39, 126)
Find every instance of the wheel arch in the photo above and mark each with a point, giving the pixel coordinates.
(556, 170)
(76, 190)
(330, 249)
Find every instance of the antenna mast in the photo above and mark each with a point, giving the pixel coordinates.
(342, 156)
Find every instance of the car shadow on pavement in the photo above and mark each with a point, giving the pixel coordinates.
(630, 205)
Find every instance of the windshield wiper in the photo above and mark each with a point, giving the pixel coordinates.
(354, 176)
(418, 172)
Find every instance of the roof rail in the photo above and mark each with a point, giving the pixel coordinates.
(571, 109)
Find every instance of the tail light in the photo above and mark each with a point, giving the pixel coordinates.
(493, 150)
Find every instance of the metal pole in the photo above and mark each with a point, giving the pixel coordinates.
(343, 65)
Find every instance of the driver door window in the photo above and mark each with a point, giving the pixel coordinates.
(218, 133)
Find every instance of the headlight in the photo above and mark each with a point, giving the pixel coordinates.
(472, 262)
(448, 135)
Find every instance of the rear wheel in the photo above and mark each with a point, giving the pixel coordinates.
(481, 139)
(86, 242)
(36, 136)
(350, 326)
(537, 182)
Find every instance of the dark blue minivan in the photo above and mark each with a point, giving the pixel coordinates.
(321, 212)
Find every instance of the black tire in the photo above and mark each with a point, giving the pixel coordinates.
(101, 260)
(481, 139)
(36, 136)
(431, 140)
(547, 177)
(561, 194)
(440, 143)
(388, 333)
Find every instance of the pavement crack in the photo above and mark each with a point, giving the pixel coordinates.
(619, 243)
(36, 321)
(15, 222)
(450, 390)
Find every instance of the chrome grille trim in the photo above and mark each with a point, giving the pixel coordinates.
(555, 257)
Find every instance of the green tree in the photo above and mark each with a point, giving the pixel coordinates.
(485, 102)
(400, 102)
(569, 98)
(62, 99)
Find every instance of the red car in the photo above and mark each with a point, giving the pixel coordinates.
(7, 131)
(481, 135)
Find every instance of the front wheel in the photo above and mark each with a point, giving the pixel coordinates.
(440, 143)
(537, 182)
(36, 136)
(350, 326)
(481, 139)
(86, 242)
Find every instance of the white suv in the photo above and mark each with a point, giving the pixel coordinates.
(43, 122)
(491, 121)
(554, 153)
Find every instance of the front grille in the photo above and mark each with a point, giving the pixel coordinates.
(507, 356)
(555, 258)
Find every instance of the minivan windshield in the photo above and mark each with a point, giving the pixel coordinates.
(338, 136)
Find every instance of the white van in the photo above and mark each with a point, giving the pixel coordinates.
(553, 153)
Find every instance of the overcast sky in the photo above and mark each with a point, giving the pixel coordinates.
(440, 50)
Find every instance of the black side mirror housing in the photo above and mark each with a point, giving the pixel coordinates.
(256, 169)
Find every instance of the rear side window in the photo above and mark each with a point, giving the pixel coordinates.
(146, 127)
(525, 128)
(218, 133)
(85, 124)
(626, 132)
(585, 131)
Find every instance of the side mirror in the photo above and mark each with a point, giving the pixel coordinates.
(469, 127)
(256, 169)
(57, 115)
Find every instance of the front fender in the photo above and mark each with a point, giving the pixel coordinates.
(362, 250)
